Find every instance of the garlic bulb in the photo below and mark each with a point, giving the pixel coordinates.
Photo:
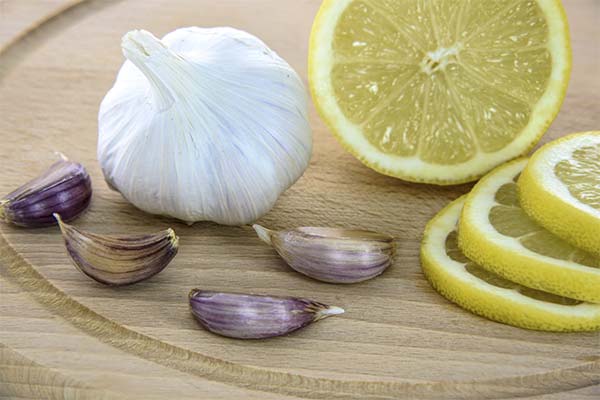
(205, 124)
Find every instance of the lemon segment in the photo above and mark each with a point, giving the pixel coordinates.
(482, 292)
(560, 189)
(496, 233)
(441, 91)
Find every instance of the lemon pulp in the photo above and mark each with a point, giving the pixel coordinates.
(486, 293)
(479, 84)
(491, 278)
(497, 233)
(581, 175)
(508, 218)
(560, 189)
(442, 83)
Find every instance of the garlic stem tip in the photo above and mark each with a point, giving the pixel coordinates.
(60, 222)
(61, 156)
(173, 238)
(141, 43)
(332, 310)
(192, 293)
(263, 233)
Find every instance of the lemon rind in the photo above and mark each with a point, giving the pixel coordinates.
(451, 280)
(548, 201)
(505, 255)
(413, 168)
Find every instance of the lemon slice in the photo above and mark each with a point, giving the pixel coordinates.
(497, 234)
(438, 91)
(470, 286)
(560, 189)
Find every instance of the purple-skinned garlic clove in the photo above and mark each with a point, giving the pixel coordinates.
(119, 260)
(332, 255)
(247, 316)
(64, 188)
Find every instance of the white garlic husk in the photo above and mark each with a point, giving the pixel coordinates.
(203, 125)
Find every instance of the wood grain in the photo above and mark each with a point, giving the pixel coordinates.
(64, 336)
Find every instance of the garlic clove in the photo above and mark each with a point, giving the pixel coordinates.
(119, 260)
(332, 255)
(247, 316)
(64, 188)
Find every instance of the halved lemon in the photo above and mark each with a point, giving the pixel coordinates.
(438, 91)
(495, 232)
(472, 287)
(560, 189)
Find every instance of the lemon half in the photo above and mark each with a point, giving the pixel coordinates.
(438, 91)
(496, 233)
(560, 189)
(469, 285)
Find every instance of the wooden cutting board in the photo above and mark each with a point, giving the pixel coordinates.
(65, 336)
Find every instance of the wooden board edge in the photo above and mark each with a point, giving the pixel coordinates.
(37, 22)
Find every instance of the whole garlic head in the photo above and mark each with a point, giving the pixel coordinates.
(205, 124)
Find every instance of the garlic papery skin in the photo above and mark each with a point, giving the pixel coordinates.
(65, 188)
(250, 316)
(332, 255)
(205, 124)
(119, 260)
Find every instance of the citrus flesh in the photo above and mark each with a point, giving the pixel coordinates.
(560, 189)
(480, 291)
(438, 91)
(496, 233)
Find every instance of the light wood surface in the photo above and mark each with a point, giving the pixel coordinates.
(65, 336)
